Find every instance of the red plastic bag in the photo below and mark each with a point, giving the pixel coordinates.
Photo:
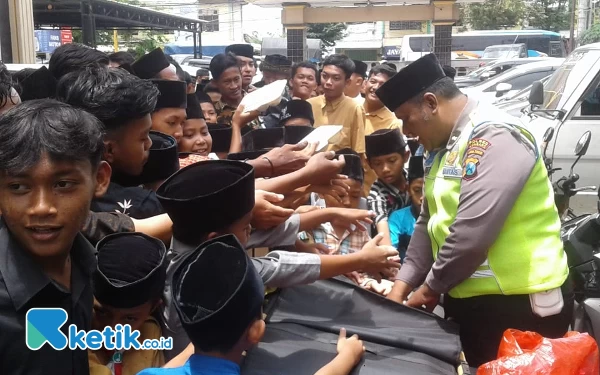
(528, 353)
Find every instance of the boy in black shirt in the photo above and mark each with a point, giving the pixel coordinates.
(50, 169)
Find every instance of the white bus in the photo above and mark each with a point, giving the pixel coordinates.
(472, 44)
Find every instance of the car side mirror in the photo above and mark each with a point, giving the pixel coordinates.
(536, 95)
(582, 145)
(502, 88)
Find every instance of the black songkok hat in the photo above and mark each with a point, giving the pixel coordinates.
(297, 109)
(163, 159)
(295, 133)
(207, 197)
(260, 139)
(131, 270)
(384, 142)
(415, 168)
(276, 63)
(221, 137)
(243, 50)
(353, 167)
(223, 311)
(360, 68)
(193, 110)
(203, 97)
(410, 81)
(173, 94)
(449, 71)
(40, 84)
(149, 65)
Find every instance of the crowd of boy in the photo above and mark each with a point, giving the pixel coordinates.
(119, 206)
(130, 192)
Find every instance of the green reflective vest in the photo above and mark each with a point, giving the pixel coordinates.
(528, 255)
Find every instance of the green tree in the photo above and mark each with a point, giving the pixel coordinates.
(329, 33)
(552, 15)
(591, 35)
(494, 14)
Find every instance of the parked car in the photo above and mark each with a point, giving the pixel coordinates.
(570, 103)
(513, 80)
(516, 103)
(505, 51)
(492, 69)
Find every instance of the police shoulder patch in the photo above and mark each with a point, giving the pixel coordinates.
(470, 168)
(479, 143)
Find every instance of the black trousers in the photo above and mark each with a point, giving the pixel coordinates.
(484, 319)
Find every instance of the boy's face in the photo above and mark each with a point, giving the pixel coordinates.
(351, 200)
(374, 82)
(241, 229)
(333, 80)
(303, 83)
(196, 137)
(127, 149)
(230, 84)
(46, 205)
(247, 68)
(416, 192)
(108, 316)
(210, 114)
(169, 121)
(389, 168)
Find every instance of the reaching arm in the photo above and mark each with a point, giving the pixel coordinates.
(159, 226)
(350, 352)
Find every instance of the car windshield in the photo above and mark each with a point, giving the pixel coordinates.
(497, 52)
(566, 78)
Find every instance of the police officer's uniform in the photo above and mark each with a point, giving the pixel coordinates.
(488, 236)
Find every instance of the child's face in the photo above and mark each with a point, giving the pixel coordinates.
(127, 149)
(210, 114)
(388, 167)
(169, 121)
(196, 137)
(416, 192)
(108, 316)
(351, 200)
(46, 205)
(241, 229)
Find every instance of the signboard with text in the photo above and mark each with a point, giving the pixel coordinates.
(46, 41)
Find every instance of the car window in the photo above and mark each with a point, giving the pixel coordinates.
(590, 105)
(522, 81)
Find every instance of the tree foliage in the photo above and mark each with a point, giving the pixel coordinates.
(591, 35)
(329, 33)
(552, 15)
(494, 14)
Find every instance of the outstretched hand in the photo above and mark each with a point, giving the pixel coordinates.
(376, 259)
(352, 347)
(266, 214)
(290, 158)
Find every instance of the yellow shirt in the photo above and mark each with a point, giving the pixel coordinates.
(382, 118)
(133, 361)
(346, 112)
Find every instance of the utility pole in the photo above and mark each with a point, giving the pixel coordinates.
(583, 20)
(572, 30)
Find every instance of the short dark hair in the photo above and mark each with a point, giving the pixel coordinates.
(48, 126)
(211, 88)
(341, 61)
(444, 88)
(73, 57)
(6, 85)
(121, 58)
(304, 64)
(202, 72)
(382, 69)
(188, 78)
(221, 63)
(114, 96)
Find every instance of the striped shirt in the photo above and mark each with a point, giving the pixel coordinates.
(384, 199)
(350, 242)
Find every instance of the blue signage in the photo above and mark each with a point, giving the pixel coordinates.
(46, 41)
(391, 53)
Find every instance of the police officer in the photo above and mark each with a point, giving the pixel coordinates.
(488, 236)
